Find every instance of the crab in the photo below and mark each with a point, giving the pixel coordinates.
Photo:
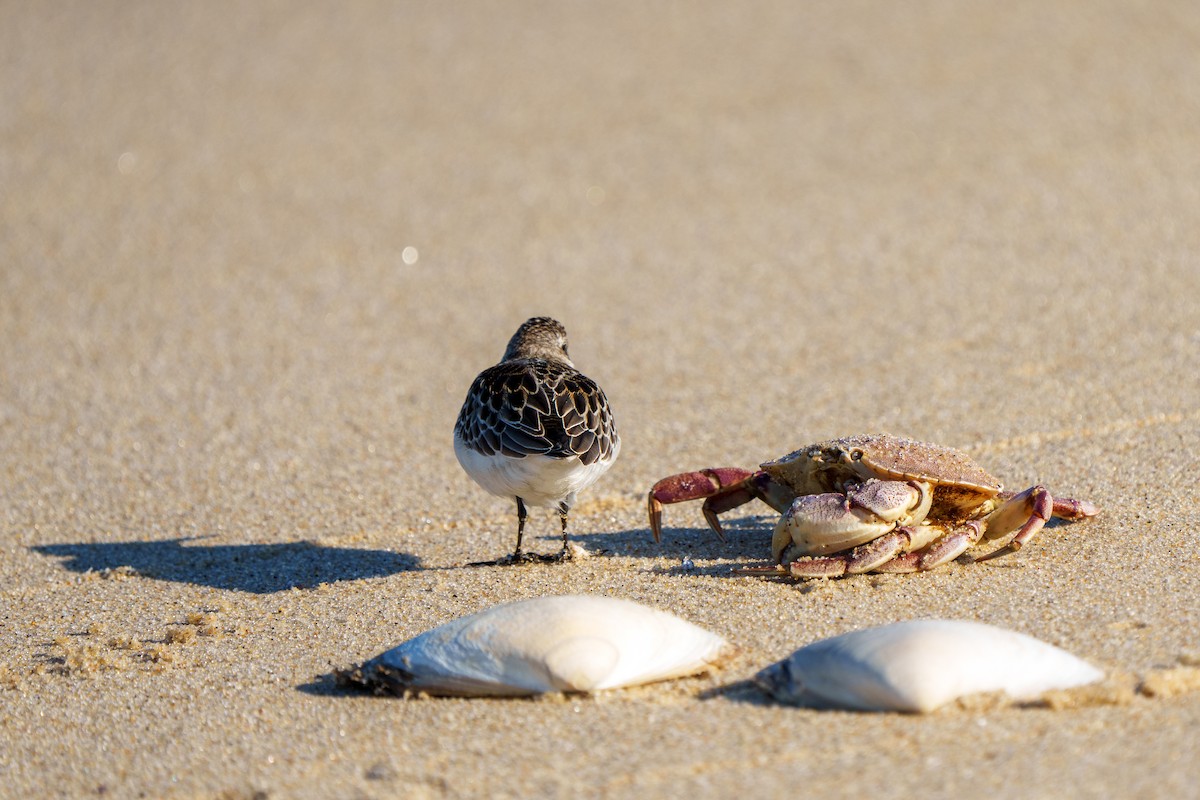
(871, 503)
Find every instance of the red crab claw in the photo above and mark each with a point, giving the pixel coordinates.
(723, 488)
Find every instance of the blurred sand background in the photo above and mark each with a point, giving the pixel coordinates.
(227, 389)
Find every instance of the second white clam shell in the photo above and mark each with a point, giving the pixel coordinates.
(576, 643)
(920, 665)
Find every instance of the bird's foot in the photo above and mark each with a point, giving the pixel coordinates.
(570, 552)
(513, 559)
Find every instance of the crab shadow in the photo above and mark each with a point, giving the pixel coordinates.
(747, 543)
(747, 540)
(254, 568)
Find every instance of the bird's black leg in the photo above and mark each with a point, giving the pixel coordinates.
(563, 510)
(519, 556)
(521, 514)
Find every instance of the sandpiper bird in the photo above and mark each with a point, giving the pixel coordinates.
(536, 429)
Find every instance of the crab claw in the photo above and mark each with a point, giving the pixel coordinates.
(722, 488)
(1016, 522)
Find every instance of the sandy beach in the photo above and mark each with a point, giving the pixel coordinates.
(252, 256)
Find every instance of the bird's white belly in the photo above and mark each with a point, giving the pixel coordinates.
(538, 480)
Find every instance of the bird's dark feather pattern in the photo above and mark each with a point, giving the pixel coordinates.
(532, 406)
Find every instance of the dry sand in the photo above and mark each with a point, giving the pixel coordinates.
(227, 390)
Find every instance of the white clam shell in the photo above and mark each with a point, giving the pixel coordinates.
(547, 644)
(921, 665)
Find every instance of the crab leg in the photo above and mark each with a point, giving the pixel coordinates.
(1069, 508)
(1024, 513)
(943, 550)
(1065, 507)
(864, 558)
(723, 488)
(725, 501)
(708, 483)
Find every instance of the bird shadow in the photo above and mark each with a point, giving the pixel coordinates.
(255, 568)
